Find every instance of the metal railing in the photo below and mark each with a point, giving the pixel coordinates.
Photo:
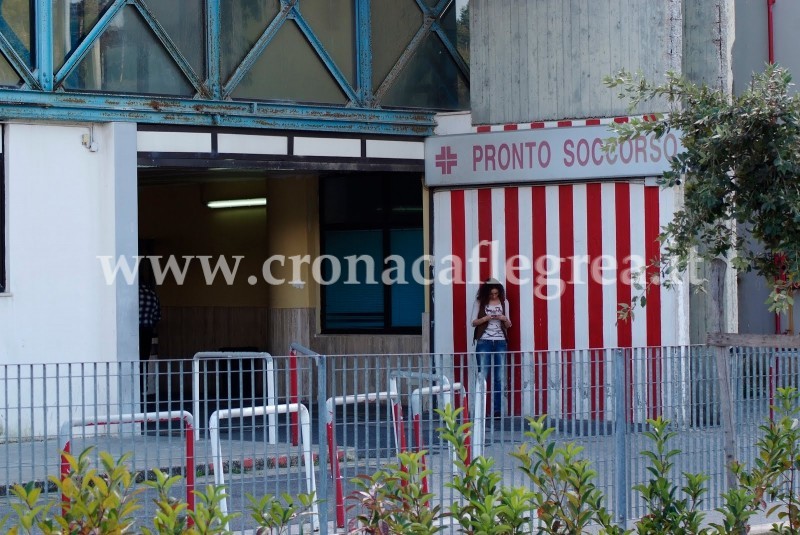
(600, 399)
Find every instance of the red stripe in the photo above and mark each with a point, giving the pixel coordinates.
(537, 124)
(484, 128)
(653, 258)
(540, 326)
(508, 127)
(620, 119)
(566, 246)
(457, 225)
(594, 235)
(564, 123)
(485, 232)
(592, 122)
(653, 308)
(514, 378)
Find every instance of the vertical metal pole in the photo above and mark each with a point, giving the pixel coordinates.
(44, 43)
(620, 429)
(322, 411)
(364, 52)
(213, 49)
(726, 412)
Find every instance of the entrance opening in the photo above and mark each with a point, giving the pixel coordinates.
(205, 266)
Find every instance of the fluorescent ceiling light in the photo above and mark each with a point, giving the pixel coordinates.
(238, 203)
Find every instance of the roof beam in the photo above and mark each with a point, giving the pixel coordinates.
(37, 105)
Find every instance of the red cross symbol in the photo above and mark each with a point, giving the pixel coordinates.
(446, 160)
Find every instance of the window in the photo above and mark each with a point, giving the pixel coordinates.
(371, 229)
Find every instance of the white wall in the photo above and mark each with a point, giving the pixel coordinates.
(66, 206)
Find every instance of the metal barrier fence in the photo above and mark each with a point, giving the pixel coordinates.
(352, 406)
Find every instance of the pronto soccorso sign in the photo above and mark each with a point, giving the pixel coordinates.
(540, 155)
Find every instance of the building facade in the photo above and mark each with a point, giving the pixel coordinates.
(125, 120)
(523, 188)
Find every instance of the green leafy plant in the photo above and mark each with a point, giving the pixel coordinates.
(774, 475)
(31, 514)
(274, 516)
(170, 517)
(486, 507)
(669, 511)
(564, 496)
(393, 500)
(96, 501)
(207, 517)
(737, 509)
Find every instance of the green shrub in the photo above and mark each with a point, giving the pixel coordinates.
(485, 506)
(668, 511)
(392, 500)
(274, 517)
(563, 497)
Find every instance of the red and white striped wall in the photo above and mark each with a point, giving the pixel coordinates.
(551, 237)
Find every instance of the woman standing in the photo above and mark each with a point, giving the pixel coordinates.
(490, 318)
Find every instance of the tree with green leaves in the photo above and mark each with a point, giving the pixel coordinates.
(740, 170)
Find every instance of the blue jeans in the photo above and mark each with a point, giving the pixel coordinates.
(491, 356)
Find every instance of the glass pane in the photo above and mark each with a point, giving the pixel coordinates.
(430, 80)
(394, 24)
(408, 300)
(15, 25)
(72, 20)
(289, 69)
(8, 76)
(405, 200)
(242, 22)
(333, 23)
(356, 201)
(127, 58)
(359, 305)
(184, 21)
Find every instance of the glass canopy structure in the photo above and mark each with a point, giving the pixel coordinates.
(380, 66)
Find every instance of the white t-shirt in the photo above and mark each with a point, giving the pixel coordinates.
(494, 329)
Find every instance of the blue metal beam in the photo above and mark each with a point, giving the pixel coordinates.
(171, 49)
(83, 48)
(213, 32)
(44, 43)
(18, 63)
(255, 52)
(327, 60)
(364, 53)
(37, 105)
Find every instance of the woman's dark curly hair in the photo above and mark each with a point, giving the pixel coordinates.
(485, 290)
